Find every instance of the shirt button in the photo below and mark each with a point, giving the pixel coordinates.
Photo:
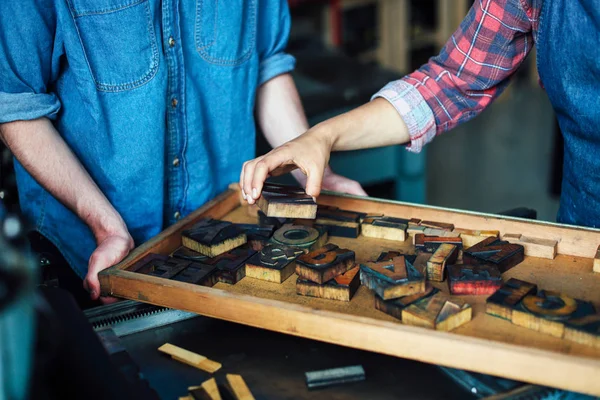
(176, 162)
(171, 41)
(177, 215)
(174, 102)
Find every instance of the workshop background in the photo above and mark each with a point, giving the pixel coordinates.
(510, 156)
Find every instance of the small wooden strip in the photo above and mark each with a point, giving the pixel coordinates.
(207, 391)
(534, 247)
(190, 358)
(238, 388)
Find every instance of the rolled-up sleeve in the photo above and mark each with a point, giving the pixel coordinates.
(273, 34)
(28, 60)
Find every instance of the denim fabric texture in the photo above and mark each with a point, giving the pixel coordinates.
(156, 99)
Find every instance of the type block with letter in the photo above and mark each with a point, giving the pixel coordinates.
(231, 266)
(394, 307)
(437, 225)
(385, 228)
(304, 237)
(159, 266)
(257, 235)
(437, 312)
(584, 330)
(198, 274)
(274, 263)
(474, 279)
(212, 237)
(445, 254)
(431, 243)
(471, 237)
(502, 302)
(342, 287)
(286, 202)
(324, 264)
(184, 253)
(393, 278)
(494, 251)
(338, 222)
(534, 247)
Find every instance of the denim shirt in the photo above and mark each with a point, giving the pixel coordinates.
(155, 98)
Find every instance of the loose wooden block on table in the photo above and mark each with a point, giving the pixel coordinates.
(274, 263)
(286, 202)
(385, 228)
(502, 302)
(231, 266)
(473, 279)
(208, 390)
(534, 247)
(305, 237)
(190, 358)
(324, 264)
(394, 307)
(342, 287)
(393, 278)
(237, 387)
(511, 351)
(445, 254)
(494, 251)
(341, 223)
(438, 312)
(212, 237)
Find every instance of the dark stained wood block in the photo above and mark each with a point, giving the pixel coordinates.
(338, 222)
(231, 266)
(446, 254)
(274, 263)
(286, 202)
(393, 278)
(159, 266)
(431, 243)
(474, 279)
(341, 287)
(257, 235)
(502, 302)
(388, 228)
(437, 225)
(324, 264)
(184, 253)
(198, 274)
(584, 330)
(263, 220)
(212, 237)
(494, 251)
(394, 307)
(304, 237)
(547, 312)
(437, 312)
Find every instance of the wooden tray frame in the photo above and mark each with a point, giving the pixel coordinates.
(524, 363)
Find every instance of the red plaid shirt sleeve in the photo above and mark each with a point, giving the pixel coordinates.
(472, 69)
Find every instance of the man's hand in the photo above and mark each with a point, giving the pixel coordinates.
(110, 251)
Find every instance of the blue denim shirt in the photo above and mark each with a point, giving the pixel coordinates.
(155, 98)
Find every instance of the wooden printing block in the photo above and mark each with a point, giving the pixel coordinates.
(437, 225)
(534, 247)
(257, 235)
(324, 264)
(237, 388)
(385, 228)
(596, 267)
(494, 251)
(431, 243)
(584, 330)
(437, 312)
(263, 220)
(394, 307)
(286, 202)
(502, 302)
(339, 222)
(159, 266)
(341, 287)
(198, 274)
(392, 279)
(212, 237)
(231, 265)
(445, 254)
(184, 253)
(274, 263)
(474, 279)
(547, 312)
(304, 237)
(208, 390)
(472, 237)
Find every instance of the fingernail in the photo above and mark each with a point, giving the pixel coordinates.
(243, 195)
(314, 199)
(254, 193)
(250, 200)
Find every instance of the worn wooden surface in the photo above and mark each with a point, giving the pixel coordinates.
(486, 344)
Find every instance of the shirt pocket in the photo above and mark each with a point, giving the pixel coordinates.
(118, 40)
(225, 32)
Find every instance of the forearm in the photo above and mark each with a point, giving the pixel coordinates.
(45, 155)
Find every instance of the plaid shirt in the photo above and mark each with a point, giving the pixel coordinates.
(473, 68)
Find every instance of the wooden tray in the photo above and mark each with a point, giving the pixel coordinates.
(486, 344)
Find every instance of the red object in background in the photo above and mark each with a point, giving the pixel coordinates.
(474, 279)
